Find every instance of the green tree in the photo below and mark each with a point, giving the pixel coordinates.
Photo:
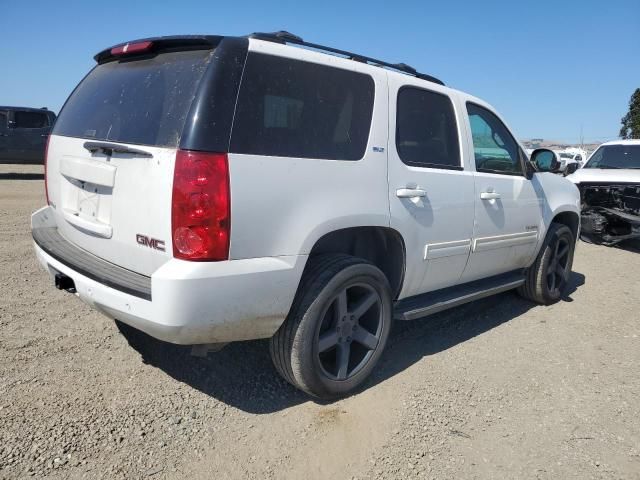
(631, 121)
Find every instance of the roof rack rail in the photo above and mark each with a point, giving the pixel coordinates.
(285, 37)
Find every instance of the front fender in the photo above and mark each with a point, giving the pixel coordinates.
(556, 195)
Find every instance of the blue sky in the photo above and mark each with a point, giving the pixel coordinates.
(549, 67)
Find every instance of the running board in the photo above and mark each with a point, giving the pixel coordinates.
(433, 302)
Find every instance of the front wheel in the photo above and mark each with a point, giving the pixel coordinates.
(546, 280)
(337, 327)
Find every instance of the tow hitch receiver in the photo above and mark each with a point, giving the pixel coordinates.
(63, 282)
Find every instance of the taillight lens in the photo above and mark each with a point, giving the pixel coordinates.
(200, 207)
(46, 180)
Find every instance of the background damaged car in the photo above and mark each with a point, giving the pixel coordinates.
(609, 187)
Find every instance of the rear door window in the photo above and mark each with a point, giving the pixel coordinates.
(291, 108)
(142, 100)
(25, 119)
(426, 131)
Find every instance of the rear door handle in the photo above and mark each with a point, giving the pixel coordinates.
(410, 193)
(489, 195)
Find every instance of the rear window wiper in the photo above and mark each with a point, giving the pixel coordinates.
(111, 148)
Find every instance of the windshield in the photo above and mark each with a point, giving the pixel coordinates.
(615, 156)
(566, 155)
(143, 101)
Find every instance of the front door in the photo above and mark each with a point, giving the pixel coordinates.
(508, 212)
(430, 190)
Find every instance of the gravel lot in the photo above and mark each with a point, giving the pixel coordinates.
(496, 389)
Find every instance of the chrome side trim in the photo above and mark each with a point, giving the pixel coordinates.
(483, 244)
(446, 249)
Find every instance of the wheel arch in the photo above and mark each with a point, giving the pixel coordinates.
(382, 246)
(570, 219)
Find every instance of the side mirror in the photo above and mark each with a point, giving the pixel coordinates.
(571, 168)
(545, 160)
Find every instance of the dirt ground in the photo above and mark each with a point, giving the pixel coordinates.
(495, 389)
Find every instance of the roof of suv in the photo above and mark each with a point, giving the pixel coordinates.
(281, 37)
(291, 39)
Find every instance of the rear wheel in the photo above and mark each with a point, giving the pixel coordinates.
(337, 327)
(546, 280)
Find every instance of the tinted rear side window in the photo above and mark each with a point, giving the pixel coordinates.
(143, 101)
(426, 131)
(291, 108)
(30, 119)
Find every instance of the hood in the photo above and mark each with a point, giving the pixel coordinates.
(595, 175)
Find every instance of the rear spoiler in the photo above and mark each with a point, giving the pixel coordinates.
(156, 44)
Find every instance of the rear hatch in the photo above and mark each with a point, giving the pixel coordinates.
(111, 154)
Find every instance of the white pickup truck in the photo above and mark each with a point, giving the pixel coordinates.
(208, 189)
(609, 187)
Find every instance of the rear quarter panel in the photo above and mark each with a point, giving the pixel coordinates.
(282, 205)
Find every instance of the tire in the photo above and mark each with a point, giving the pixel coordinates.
(546, 280)
(342, 310)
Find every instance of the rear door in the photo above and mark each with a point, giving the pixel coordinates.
(112, 154)
(430, 188)
(508, 210)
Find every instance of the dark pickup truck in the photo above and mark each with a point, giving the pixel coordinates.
(23, 134)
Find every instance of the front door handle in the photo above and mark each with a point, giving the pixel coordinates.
(410, 193)
(489, 195)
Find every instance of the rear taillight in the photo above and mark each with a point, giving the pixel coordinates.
(200, 206)
(46, 153)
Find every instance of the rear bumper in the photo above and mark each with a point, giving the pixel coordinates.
(189, 302)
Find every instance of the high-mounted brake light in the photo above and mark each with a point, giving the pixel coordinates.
(200, 206)
(131, 48)
(46, 153)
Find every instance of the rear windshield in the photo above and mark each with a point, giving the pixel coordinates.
(144, 101)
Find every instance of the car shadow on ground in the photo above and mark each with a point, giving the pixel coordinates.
(241, 375)
(21, 176)
(630, 246)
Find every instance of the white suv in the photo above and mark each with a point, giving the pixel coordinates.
(609, 187)
(207, 189)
